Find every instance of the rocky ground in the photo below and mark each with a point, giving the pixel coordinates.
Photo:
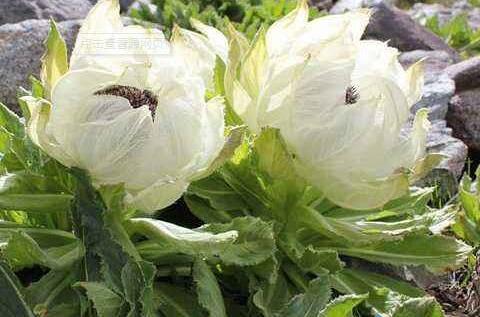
(452, 84)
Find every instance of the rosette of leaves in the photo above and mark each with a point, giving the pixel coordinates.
(316, 238)
(247, 15)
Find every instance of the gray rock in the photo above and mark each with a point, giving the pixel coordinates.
(438, 88)
(391, 24)
(322, 4)
(124, 4)
(423, 11)
(21, 47)
(464, 117)
(13, 11)
(445, 176)
(342, 6)
(440, 140)
(143, 5)
(434, 61)
(466, 74)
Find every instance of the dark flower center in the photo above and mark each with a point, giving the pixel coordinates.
(136, 97)
(351, 95)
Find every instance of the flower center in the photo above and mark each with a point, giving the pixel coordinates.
(351, 95)
(136, 97)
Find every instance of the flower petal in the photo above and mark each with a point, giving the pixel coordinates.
(158, 196)
(218, 41)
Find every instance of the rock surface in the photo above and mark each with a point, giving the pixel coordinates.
(466, 74)
(21, 47)
(342, 6)
(438, 88)
(423, 11)
(464, 117)
(391, 24)
(445, 176)
(13, 11)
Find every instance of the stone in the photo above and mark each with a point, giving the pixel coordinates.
(391, 24)
(143, 5)
(322, 4)
(342, 6)
(464, 117)
(466, 74)
(124, 4)
(59, 10)
(21, 47)
(446, 175)
(438, 88)
(423, 11)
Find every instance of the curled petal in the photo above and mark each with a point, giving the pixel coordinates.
(157, 196)
(36, 129)
(218, 41)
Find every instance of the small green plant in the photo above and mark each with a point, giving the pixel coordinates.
(247, 15)
(467, 225)
(457, 33)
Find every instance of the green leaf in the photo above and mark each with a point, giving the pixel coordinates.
(12, 303)
(255, 242)
(106, 302)
(54, 61)
(437, 253)
(37, 203)
(51, 248)
(171, 239)
(342, 306)
(272, 296)
(425, 307)
(244, 241)
(53, 292)
(361, 282)
(310, 303)
(176, 301)
(273, 157)
(317, 262)
(209, 294)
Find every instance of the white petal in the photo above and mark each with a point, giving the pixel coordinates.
(158, 196)
(281, 34)
(111, 150)
(195, 51)
(104, 19)
(217, 40)
(36, 130)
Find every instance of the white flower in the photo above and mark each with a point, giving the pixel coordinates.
(259, 77)
(136, 116)
(340, 104)
(345, 122)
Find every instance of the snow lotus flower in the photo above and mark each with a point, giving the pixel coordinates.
(340, 104)
(135, 116)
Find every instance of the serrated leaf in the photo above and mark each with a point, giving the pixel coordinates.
(312, 302)
(317, 262)
(272, 296)
(106, 302)
(51, 248)
(342, 306)
(437, 253)
(54, 61)
(176, 301)
(208, 290)
(173, 239)
(12, 303)
(255, 242)
(425, 307)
